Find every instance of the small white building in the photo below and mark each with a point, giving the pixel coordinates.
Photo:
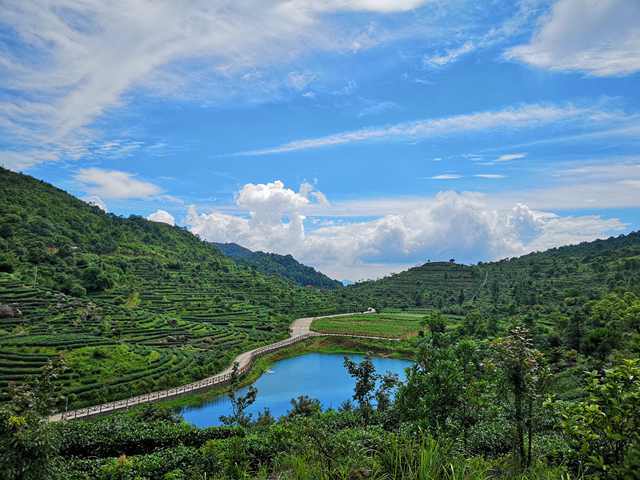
(370, 310)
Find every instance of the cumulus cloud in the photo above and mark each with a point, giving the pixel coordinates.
(450, 224)
(274, 217)
(95, 201)
(605, 41)
(162, 216)
(114, 184)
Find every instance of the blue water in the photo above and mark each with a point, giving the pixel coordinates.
(317, 375)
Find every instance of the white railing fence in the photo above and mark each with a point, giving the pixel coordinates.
(219, 379)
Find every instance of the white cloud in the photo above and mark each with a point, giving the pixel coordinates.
(446, 176)
(599, 37)
(449, 56)
(383, 6)
(586, 185)
(460, 225)
(74, 61)
(378, 108)
(300, 80)
(521, 117)
(521, 15)
(510, 156)
(489, 175)
(162, 216)
(274, 220)
(114, 184)
(24, 159)
(96, 202)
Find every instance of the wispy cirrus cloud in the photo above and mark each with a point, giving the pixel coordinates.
(489, 175)
(507, 157)
(68, 63)
(521, 16)
(446, 176)
(114, 184)
(526, 116)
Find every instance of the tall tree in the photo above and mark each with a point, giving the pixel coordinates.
(26, 442)
(366, 377)
(523, 372)
(239, 403)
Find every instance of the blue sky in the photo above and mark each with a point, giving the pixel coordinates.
(362, 136)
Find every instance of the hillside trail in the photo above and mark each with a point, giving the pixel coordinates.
(300, 329)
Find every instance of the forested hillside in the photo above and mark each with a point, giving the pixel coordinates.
(132, 305)
(95, 307)
(283, 265)
(533, 282)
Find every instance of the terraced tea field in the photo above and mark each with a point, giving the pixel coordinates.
(175, 326)
(433, 284)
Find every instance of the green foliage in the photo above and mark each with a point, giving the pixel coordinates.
(282, 265)
(524, 376)
(134, 306)
(26, 443)
(239, 403)
(604, 427)
(366, 378)
(304, 406)
(86, 281)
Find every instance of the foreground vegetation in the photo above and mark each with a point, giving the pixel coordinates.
(470, 408)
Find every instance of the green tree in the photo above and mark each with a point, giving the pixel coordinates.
(471, 394)
(432, 392)
(239, 403)
(524, 375)
(366, 378)
(27, 444)
(603, 428)
(304, 406)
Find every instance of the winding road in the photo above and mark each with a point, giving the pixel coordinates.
(299, 330)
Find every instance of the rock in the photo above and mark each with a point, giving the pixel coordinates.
(9, 311)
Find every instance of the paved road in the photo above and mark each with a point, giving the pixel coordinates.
(299, 330)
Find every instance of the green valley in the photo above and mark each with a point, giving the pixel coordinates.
(131, 305)
(96, 307)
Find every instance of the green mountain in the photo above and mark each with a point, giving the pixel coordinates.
(132, 305)
(135, 305)
(283, 265)
(537, 281)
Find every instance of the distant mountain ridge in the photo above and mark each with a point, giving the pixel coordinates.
(283, 265)
(538, 280)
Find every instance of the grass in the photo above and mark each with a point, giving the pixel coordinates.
(388, 325)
